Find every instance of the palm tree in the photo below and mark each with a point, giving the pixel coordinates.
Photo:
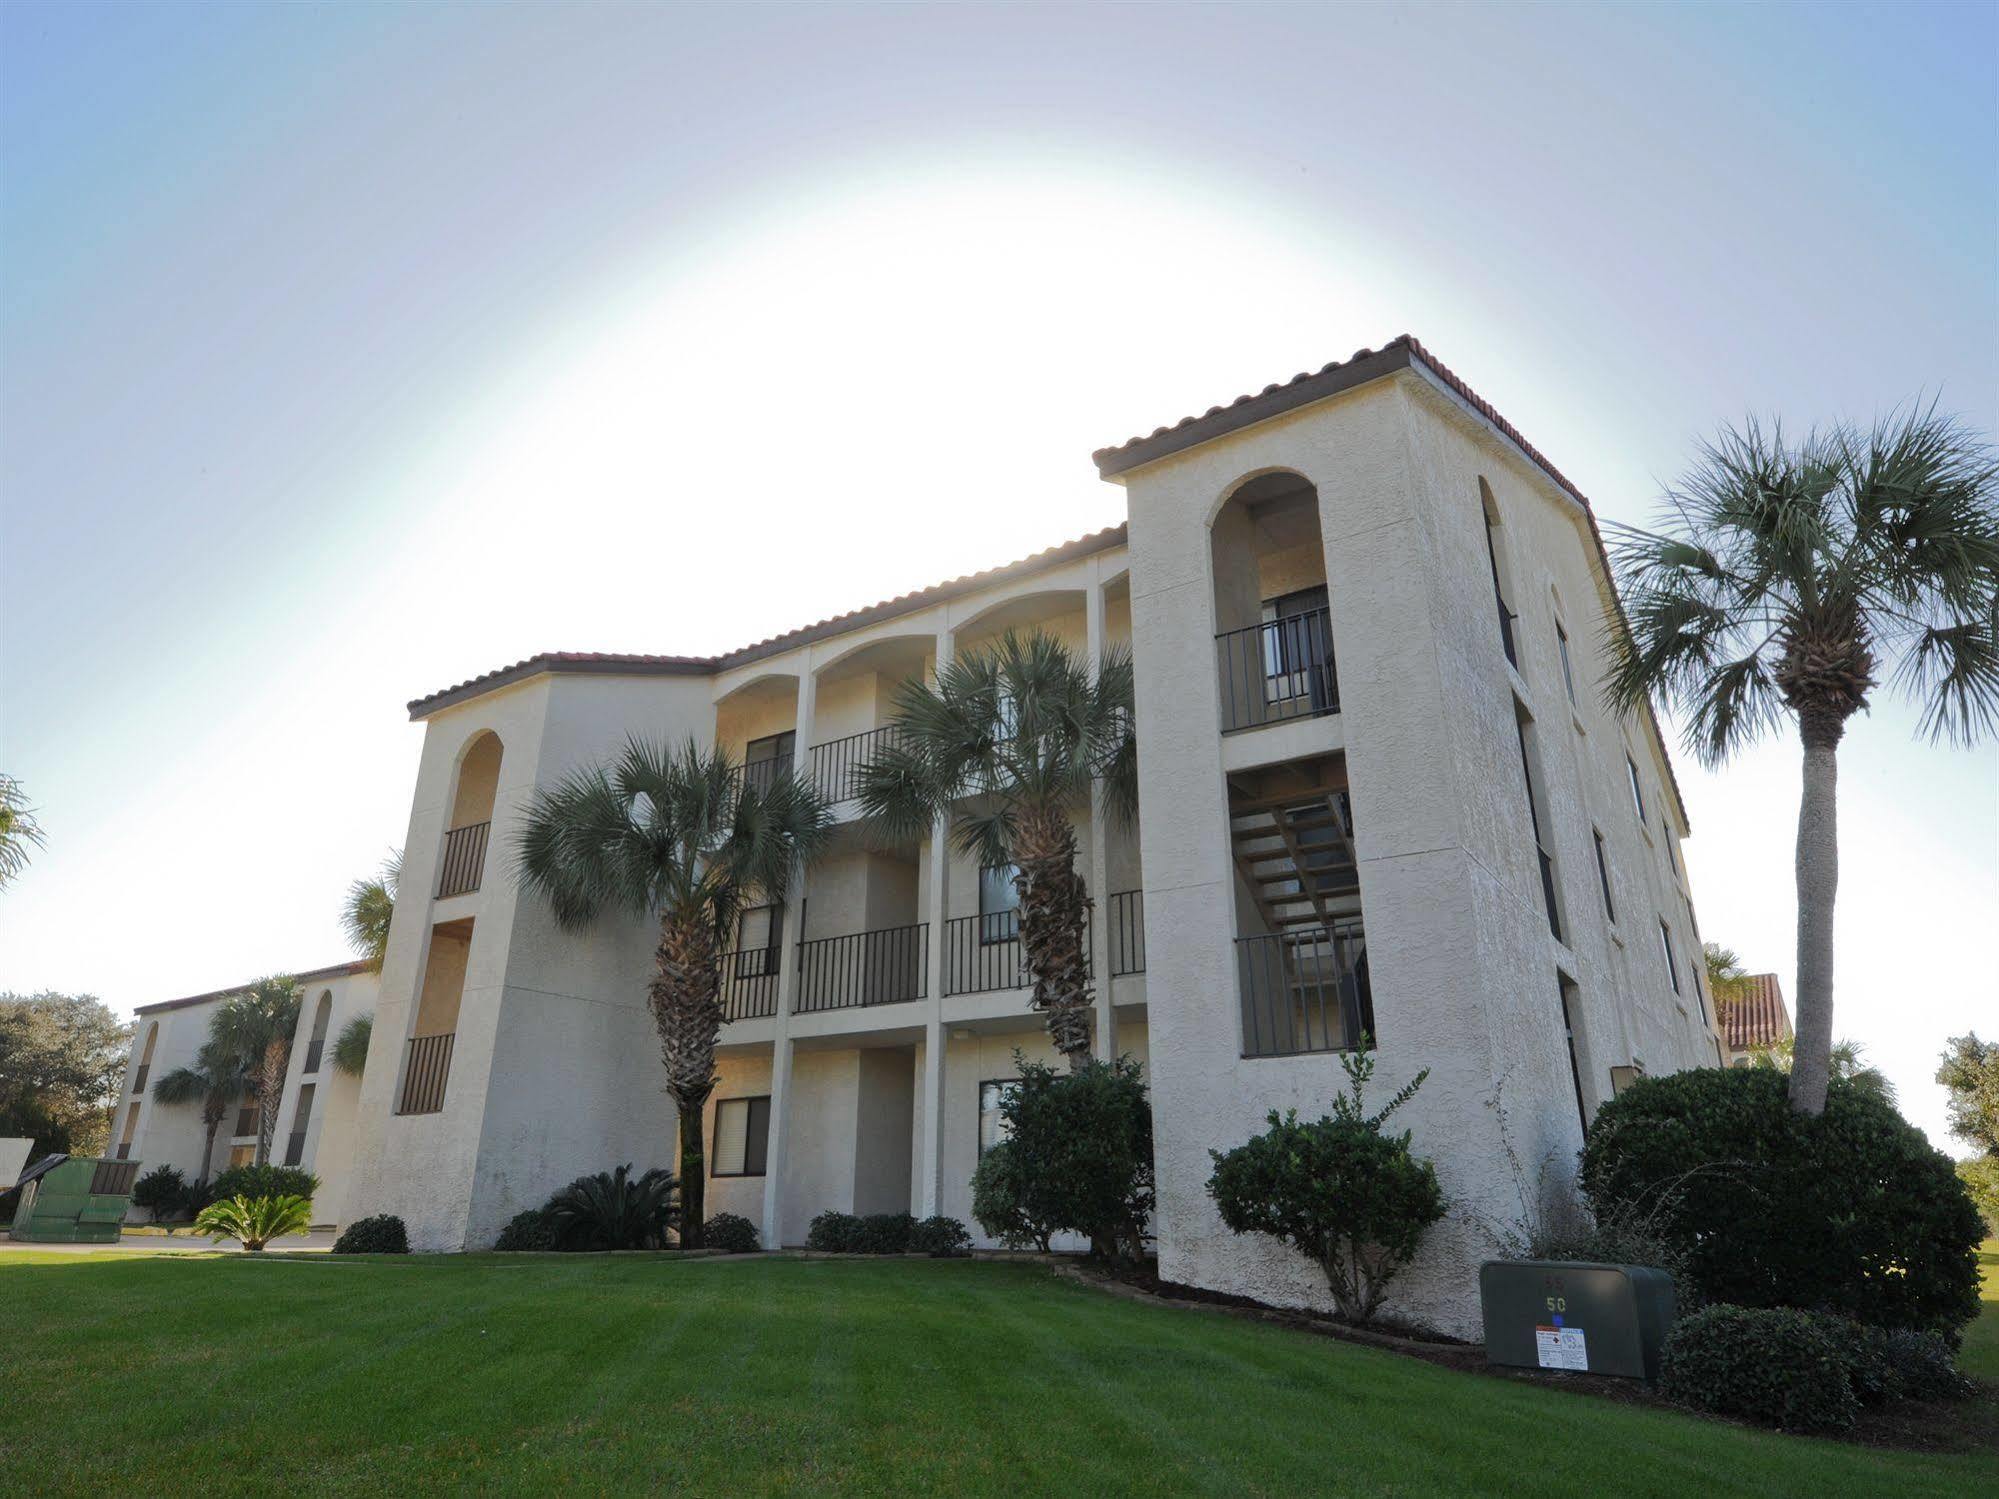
(1006, 745)
(683, 838)
(18, 830)
(1788, 579)
(257, 1027)
(1847, 1065)
(350, 1052)
(216, 1080)
(369, 906)
(1727, 979)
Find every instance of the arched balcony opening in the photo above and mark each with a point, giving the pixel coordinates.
(756, 726)
(853, 705)
(146, 1058)
(1273, 628)
(315, 1048)
(471, 817)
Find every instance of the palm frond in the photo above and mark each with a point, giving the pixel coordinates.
(350, 1051)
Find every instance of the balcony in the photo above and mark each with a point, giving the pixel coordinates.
(139, 1077)
(749, 983)
(758, 775)
(246, 1120)
(984, 953)
(1305, 991)
(882, 967)
(1277, 670)
(294, 1147)
(1127, 918)
(838, 763)
(424, 1074)
(464, 859)
(313, 1053)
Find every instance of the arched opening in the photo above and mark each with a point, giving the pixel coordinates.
(471, 817)
(146, 1057)
(315, 1048)
(1273, 627)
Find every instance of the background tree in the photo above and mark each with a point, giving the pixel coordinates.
(19, 831)
(350, 1052)
(1785, 579)
(257, 1027)
(216, 1080)
(1847, 1065)
(369, 906)
(1006, 746)
(1970, 1072)
(1727, 980)
(62, 1063)
(683, 838)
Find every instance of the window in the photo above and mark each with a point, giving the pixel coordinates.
(1666, 946)
(1568, 672)
(1637, 796)
(999, 903)
(1296, 647)
(759, 935)
(1672, 863)
(742, 1136)
(1603, 876)
(1623, 1077)
(1694, 977)
(301, 1116)
(992, 1124)
(773, 747)
(1541, 853)
(242, 1155)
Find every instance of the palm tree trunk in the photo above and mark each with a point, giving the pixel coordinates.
(270, 1093)
(213, 1121)
(1053, 909)
(1818, 885)
(685, 998)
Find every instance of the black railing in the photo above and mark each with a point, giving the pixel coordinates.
(1282, 668)
(1304, 991)
(139, 1079)
(313, 1052)
(294, 1147)
(838, 763)
(1506, 618)
(425, 1073)
(246, 1120)
(1127, 915)
(983, 953)
(749, 983)
(1548, 891)
(464, 859)
(759, 774)
(881, 967)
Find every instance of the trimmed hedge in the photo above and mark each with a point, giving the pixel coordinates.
(731, 1233)
(382, 1234)
(941, 1238)
(843, 1233)
(1770, 1365)
(1853, 1212)
(530, 1230)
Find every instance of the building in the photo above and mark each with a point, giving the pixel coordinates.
(1379, 794)
(1754, 1020)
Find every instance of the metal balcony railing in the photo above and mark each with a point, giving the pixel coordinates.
(424, 1074)
(1127, 918)
(313, 1052)
(984, 953)
(1282, 668)
(759, 774)
(882, 967)
(838, 763)
(1305, 991)
(464, 859)
(749, 983)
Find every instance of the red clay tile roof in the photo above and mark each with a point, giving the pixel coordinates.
(336, 971)
(1758, 1017)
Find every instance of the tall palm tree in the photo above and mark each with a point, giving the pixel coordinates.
(350, 1052)
(1727, 979)
(215, 1081)
(257, 1027)
(1006, 745)
(1788, 579)
(683, 838)
(369, 906)
(19, 831)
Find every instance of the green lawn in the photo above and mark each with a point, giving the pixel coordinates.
(1981, 1341)
(511, 1375)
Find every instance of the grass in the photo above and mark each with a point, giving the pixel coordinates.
(529, 1375)
(1980, 1354)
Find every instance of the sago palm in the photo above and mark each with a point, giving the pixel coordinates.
(257, 1027)
(369, 906)
(1006, 745)
(255, 1220)
(215, 1081)
(682, 838)
(1793, 580)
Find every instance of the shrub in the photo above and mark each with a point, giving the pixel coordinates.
(940, 1238)
(615, 1210)
(833, 1233)
(255, 1220)
(732, 1234)
(163, 1192)
(1079, 1157)
(884, 1233)
(1562, 1226)
(1002, 1203)
(1925, 1367)
(1338, 1190)
(1851, 1212)
(382, 1234)
(264, 1181)
(1773, 1366)
(528, 1230)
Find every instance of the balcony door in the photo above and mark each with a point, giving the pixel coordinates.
(1294, 651)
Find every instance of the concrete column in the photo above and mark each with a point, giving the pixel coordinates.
(787, 989)
(929, 1192)
(1098, 873)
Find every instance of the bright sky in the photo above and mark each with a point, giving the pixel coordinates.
(346, 353)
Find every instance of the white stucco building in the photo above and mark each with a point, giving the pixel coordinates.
(1379, 792)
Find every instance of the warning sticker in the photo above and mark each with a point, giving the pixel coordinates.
(1561, 1348)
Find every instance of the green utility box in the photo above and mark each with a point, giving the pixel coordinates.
(1576, 1316)
(74, 1199)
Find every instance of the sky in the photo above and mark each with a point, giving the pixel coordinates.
(346, 353)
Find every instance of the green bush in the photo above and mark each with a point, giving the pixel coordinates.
(884, 1233)
(833, 1233)
(1852, 1212)
(616, 1210)
(529, 1230)
(263, 1181)
(731, 1233)
(1077, 1156)
(382, 1234)
(1337, 1190)
(1774, 1366)
(1925, 1366)
(940, 1238)
(163, 1192)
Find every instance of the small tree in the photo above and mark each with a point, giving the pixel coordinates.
(257, 1026)
(254, 1220)
(1003, 1203)
(1970, 1073)
(215, 1081)
(1338, 1190)
(368, 908)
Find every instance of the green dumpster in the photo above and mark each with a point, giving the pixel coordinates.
(73, 1199)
